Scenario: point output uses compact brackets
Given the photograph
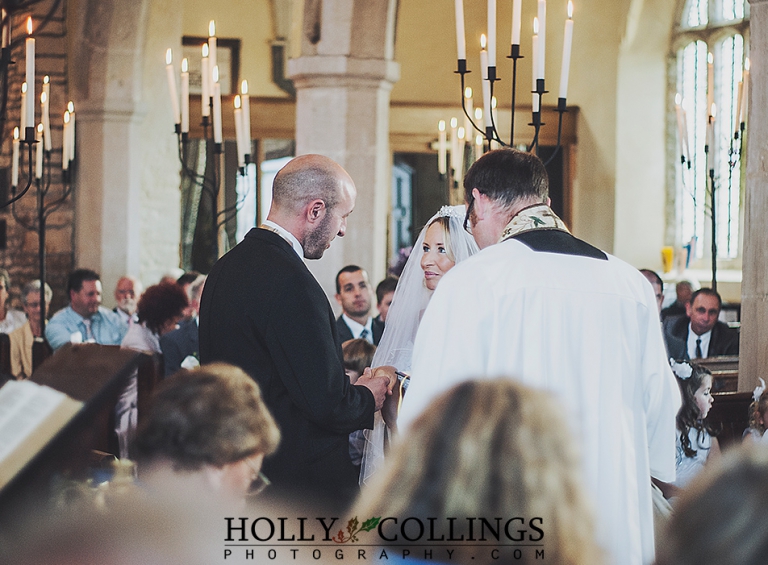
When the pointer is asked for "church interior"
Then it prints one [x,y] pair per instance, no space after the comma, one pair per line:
[367,83]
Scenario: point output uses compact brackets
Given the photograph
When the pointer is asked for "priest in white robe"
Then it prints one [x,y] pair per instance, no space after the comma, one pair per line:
[543,307]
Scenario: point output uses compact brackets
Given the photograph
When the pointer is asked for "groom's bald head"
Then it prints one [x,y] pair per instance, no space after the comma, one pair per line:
[308,178]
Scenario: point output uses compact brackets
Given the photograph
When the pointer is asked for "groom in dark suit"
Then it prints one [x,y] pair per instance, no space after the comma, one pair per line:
[263,310]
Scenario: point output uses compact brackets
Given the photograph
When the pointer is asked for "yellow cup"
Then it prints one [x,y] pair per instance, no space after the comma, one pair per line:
[667,258]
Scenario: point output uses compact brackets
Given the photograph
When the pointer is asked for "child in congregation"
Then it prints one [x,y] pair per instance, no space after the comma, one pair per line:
[758,416]
[358,355]
[696,441]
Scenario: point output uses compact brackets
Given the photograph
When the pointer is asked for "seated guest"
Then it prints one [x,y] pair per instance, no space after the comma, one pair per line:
[127,294]
[10,319]
[22,338]
[159,310]
[353,293]
[181,344]
[207,429]
[185,281]
[385,290]
[358,355]
[489,449]
[722,518]
[699,334]
[657,284]
[683,289]
[84,320]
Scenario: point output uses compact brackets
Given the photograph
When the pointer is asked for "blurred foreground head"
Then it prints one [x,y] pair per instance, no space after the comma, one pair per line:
[490,449]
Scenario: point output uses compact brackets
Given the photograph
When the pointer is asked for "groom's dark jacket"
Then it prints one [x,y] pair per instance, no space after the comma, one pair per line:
[263,311]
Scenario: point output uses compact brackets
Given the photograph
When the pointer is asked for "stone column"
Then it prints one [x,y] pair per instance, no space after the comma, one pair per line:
[754,287]
[343,81]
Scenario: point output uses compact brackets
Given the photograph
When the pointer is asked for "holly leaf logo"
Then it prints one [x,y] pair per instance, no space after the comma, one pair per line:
[370,523]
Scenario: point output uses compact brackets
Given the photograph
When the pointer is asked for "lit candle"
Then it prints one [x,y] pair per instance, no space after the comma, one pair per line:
[469,107]
[184,96]
[172,86]
[217,138]
[567,42]
[542,37]
[459,167]
[461,42]
[239,132]
[710,80]
[517,8]
[246,116]
[442,165]
[486,82]
[478,114]
[744,93]
[535,55]
[39,153]
[205,82]
[23,119]
[45,107]
[494,144]
[212,47]
[478,146]
[30,77]
[454,144]
[15,159]
[71,110]
[491,33]
[65,143]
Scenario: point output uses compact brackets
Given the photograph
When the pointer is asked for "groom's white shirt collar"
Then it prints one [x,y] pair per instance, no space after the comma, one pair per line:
[287,236]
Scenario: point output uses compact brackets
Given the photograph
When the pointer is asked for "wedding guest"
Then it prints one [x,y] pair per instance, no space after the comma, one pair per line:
[552,311]
[385,290]
[10,319]
[489,449]
[185,281]
[22,338]
[683,290]
[353,293]
[159,310]
[127,295]
[699,334]
[657,284]
[181,347]
[84,320]
[206,429]
[358,355]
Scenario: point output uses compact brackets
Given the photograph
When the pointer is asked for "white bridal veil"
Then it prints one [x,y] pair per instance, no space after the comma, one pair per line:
[408,304]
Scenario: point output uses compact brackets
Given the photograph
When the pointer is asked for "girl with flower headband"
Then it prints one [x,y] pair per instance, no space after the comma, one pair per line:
[696,441]
[758,416]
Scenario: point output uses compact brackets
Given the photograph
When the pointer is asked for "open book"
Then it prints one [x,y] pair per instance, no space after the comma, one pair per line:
[30,416]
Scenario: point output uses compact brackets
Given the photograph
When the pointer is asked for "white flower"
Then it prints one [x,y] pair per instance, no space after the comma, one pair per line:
[190,362]
[682,370]
[758,390]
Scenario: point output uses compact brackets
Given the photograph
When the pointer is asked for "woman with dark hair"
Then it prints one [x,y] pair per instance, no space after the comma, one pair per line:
[159,310]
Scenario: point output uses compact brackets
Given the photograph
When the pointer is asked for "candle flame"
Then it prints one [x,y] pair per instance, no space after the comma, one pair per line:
[678,99]
[461,133]
[493,102]
[483,41]
[479,140]
[46,79]
[23,87]
[535,26]
[244,87]
[39,128]
[211,28]
[205,49]
[169,56]
[237,102]
[184,65]
[43,98]
[570,9]
[29,25]
[478,113]
[16,133]
[71,107]
[710,58]
[66,117]
[216,73]
[746,64]
[454,123]
[441,125]
[468,92]
[713,111]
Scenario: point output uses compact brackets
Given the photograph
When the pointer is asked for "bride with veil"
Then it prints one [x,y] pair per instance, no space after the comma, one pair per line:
[442,243]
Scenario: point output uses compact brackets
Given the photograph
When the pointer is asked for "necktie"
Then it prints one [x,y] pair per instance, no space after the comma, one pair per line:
[88,332]
[698,348]
[364,334]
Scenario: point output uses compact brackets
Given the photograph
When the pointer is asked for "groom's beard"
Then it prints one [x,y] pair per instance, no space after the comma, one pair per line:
[318,240]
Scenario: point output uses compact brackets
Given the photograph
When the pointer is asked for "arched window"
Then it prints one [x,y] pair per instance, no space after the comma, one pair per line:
[710,49]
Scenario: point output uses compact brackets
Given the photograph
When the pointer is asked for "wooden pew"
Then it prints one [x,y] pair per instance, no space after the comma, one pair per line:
[725,372]
[731,411]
